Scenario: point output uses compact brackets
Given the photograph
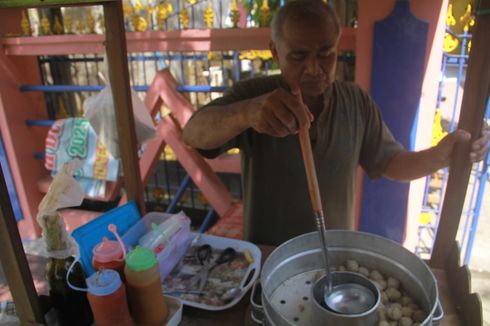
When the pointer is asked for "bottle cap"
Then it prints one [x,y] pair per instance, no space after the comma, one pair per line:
[107,251]
[140,259]
[104,282]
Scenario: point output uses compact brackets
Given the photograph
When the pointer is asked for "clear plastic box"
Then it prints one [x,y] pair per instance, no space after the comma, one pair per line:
[173,252]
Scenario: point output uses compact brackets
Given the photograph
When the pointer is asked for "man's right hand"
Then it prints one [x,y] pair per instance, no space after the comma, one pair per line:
[278,113]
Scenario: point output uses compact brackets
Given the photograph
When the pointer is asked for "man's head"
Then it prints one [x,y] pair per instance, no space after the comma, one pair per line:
[304,40]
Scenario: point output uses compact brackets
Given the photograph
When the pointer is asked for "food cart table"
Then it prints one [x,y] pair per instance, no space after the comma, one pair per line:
[241,313]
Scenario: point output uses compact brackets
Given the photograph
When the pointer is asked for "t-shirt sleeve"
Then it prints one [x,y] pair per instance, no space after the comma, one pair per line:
[242,90]
[379,145]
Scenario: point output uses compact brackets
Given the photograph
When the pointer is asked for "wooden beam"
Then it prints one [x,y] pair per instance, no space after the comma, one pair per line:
[49,3]
[476,93]
[14,263]
[119,80]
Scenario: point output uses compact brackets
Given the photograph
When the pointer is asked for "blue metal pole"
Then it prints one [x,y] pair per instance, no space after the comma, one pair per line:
[205,224]
[95,88]
[237,66]
[12,192]
[178,194]
[461,62]
[470,212]
[39,123]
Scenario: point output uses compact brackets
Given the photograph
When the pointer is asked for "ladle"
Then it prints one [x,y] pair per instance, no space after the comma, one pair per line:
[349,298]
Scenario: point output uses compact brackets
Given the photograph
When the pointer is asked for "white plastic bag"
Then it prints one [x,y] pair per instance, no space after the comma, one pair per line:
[99,110]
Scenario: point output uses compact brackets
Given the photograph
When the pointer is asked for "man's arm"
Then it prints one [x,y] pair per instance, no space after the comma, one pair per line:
[406,166]
[212,126]
[278,113]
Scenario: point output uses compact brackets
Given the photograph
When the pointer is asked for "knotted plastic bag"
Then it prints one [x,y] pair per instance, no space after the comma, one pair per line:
[99,110]
[63,192]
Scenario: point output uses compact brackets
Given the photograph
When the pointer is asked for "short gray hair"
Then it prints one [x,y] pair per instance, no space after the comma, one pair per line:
[302,10]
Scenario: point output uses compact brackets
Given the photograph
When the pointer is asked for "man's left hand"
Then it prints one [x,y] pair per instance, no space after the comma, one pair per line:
[479,148]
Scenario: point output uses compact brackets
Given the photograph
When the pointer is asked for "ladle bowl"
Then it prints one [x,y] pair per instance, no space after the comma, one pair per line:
[341,305]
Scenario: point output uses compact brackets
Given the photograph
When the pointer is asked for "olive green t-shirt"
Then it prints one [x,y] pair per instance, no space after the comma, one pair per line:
[348,131]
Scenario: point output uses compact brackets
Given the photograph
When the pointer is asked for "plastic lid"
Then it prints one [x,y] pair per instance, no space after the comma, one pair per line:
[107,251]
[104,282]
[140,259]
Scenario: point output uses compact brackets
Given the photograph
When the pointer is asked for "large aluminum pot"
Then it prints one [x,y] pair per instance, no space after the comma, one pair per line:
[283,295]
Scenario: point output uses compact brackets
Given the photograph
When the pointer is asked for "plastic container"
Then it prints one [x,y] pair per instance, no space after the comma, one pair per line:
[110,254]
[145,293]
[161,235]
[107,298]
[174,250]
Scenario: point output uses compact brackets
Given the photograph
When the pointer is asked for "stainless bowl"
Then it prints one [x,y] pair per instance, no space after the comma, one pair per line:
[291,270]
[321,314]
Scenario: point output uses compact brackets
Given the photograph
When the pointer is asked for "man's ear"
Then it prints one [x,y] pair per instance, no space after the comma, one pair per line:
[272,47]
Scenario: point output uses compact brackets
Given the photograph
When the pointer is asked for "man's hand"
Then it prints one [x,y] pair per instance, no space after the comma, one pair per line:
[278,113]
[479,148]
[407,165]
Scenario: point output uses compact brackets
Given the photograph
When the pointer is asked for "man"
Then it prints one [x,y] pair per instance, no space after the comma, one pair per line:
[262,117]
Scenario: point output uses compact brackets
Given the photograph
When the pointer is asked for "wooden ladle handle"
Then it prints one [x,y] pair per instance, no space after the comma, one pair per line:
[311,178]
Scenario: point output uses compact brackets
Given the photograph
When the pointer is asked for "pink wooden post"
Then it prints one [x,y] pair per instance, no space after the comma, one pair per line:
[20,140]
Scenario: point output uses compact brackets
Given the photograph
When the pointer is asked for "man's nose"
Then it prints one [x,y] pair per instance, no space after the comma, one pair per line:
[312,66]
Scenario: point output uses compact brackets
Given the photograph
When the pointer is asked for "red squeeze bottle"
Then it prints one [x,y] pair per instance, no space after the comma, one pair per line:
[110,254]
[107,298]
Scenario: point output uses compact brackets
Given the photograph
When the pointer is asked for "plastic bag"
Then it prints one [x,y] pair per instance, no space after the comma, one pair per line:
[74,138]
[64,192]
[99,110]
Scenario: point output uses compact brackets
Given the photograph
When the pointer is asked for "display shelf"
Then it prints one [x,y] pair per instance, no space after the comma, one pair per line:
[50,3]
[178,40]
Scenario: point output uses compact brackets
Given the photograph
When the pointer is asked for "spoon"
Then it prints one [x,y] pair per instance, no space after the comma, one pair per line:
[346,298]
[231,294]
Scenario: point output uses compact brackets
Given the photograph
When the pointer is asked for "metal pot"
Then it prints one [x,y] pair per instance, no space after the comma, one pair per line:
[291,270]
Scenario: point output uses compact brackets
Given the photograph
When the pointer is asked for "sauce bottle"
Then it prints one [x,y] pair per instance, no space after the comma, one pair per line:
[110,254]
[107,297]
[145,293]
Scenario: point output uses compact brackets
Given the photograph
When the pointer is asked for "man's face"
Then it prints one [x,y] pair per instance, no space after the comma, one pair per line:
[307,55]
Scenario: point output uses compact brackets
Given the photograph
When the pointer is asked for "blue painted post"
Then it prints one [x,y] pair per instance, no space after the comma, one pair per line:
[461,63]
[14,200]
[205,224]
[178,194]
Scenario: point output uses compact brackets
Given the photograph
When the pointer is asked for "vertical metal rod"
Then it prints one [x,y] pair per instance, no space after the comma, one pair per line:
[178,194]
[461,63]
[207,220]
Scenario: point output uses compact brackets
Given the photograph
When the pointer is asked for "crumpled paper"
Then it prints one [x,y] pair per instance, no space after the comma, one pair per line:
[64,192]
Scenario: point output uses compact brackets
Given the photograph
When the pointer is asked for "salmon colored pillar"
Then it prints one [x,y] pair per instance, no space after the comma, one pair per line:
[21,141]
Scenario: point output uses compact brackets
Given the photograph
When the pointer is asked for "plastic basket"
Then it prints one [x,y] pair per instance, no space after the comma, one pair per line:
[90,234]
